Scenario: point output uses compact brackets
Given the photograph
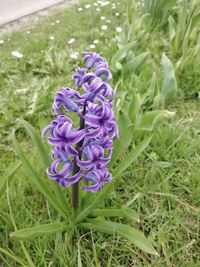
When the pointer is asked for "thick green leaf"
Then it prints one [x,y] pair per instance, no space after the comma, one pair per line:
[79,256]
[125,212]
[128,232]
[172,30]
[38,180]
[45,159]
[134,107]
[8,175]
[120,54]
[130,157]
[169,87]
[134,64]
[149,119]
[123,122]
[153,88]
[122,144]
[39,230]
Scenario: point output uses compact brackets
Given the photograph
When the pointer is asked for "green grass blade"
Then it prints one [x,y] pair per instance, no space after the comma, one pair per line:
[45,159]
[39,230]
[9,173]
[129,159]
[15,258]
[125,212]
[38,181]
[128,232]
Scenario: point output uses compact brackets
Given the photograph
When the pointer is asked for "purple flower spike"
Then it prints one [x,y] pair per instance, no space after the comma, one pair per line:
[83,153]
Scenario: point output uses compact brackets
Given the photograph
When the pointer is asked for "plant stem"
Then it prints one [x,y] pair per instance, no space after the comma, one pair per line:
[76,168]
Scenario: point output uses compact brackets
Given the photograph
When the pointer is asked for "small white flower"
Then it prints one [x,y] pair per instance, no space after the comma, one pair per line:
[97,9]
[52,23]
[51,38]
[96,41]
[1,41]
[92,46]
[16,54]
[102,18]
[117,14]
[79,9]
[57,21]
[21,91]
[118,29]
[74,55]
[108,21]
[104,27]
[113,7]
[28,32]
[95,4]
[71,41]
[87,6]
[105,3]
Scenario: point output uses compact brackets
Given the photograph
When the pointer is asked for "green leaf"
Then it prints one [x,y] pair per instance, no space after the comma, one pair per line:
[125,212]
[8,175]
[149,119]
[39,181]
[45,159]
[79,256]
[169,87]
[134,107]
[123,122]
[120,54]
[130,157]
[152,88]
[122,144]
[134,64]
[172,29]
[128,232]
[39,230]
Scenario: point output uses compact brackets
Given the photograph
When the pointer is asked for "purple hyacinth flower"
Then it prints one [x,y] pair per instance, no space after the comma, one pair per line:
[91,59]
[83,153]
[63,176]
[62,135]
[102,122]
[98,178]
[69,99]
[95,158]
[79,76]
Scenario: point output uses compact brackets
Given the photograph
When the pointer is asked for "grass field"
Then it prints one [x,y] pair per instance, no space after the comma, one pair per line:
[162,186]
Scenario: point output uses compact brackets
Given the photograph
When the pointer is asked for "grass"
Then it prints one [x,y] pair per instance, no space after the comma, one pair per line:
[162,186]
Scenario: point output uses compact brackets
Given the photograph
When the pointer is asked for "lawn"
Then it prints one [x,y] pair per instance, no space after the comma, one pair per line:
[162,185]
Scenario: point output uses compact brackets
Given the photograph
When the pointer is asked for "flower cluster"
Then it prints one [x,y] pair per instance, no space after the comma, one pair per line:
[88,148]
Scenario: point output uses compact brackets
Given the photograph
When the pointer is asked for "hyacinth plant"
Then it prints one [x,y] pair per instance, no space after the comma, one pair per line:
[85,154]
